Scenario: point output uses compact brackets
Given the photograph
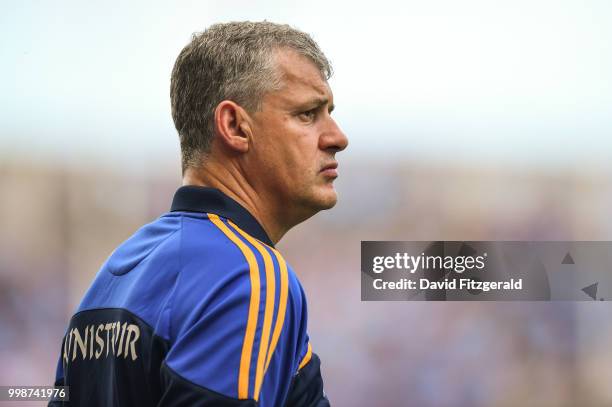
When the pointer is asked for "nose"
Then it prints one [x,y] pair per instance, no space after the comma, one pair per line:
[333,138]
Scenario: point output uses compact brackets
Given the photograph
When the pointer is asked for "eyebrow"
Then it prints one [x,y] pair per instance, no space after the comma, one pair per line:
[318,102]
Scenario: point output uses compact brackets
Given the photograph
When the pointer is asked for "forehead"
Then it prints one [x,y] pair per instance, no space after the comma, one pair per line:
[300,77]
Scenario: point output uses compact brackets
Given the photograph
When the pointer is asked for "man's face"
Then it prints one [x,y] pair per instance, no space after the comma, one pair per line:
[295,139]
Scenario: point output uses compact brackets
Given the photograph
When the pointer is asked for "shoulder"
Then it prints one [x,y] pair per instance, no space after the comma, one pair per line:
[214,248]
[238,299]
[221,262]
[226,270]
[183,243]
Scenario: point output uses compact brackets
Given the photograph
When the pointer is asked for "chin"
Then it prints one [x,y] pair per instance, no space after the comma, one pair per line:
[316,200]
[325,199]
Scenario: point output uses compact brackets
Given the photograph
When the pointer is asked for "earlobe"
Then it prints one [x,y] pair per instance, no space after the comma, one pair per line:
[231,128]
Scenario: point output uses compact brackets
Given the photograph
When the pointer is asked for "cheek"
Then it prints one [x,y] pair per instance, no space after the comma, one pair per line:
[294,152]
[284,164]
[303,161]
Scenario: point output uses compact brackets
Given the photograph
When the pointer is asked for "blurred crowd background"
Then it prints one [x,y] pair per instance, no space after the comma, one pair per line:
[60,223]
[471,120]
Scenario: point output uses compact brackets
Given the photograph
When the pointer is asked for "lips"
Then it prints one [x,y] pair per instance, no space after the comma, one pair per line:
[330,170]
[332,166]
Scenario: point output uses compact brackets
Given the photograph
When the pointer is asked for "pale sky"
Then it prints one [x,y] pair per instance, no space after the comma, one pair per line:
[524,82]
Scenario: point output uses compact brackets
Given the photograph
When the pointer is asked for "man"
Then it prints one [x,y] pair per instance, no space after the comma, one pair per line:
[198,307]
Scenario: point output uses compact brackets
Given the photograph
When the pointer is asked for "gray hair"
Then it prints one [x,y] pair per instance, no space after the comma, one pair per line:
[230,61]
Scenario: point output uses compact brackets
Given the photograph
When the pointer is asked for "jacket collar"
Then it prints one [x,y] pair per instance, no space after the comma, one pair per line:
[191,198]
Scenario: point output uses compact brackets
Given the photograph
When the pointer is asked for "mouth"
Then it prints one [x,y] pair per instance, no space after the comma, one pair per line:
[330,170]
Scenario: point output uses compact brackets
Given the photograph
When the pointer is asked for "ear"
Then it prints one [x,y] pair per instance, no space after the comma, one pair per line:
[232,128]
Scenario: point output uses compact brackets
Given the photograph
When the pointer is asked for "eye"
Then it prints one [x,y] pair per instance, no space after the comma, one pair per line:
[308,115]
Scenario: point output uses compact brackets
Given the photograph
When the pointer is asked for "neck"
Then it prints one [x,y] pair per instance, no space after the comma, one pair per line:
[233,184]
